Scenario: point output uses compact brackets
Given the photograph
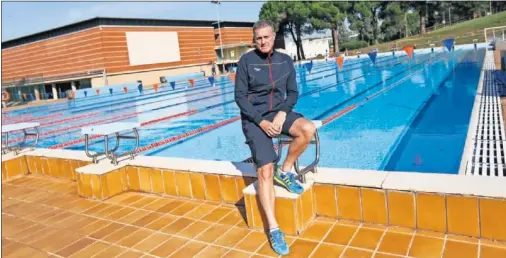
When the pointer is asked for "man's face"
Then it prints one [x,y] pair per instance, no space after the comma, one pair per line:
[264,39]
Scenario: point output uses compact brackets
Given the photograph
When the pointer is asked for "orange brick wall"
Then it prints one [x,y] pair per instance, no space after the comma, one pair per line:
[234,35]
[13,168]
[446,213]
[76,52]
[98,49]
[193,185]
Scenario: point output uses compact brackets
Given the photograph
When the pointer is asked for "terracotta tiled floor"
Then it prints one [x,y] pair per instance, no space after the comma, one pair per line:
[44,217]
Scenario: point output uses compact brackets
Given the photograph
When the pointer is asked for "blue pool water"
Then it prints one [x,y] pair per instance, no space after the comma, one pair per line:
[435,140]
[412,114]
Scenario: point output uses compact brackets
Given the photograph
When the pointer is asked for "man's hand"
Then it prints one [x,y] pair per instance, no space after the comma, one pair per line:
[278,121]
[269,128]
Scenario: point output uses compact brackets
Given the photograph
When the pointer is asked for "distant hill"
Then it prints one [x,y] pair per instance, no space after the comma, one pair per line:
[464,33]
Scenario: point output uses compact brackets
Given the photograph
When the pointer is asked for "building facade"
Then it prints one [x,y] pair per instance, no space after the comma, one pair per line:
[312,47]
[110,51]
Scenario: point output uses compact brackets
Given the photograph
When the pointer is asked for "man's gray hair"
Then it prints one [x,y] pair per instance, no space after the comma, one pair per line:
[262,24]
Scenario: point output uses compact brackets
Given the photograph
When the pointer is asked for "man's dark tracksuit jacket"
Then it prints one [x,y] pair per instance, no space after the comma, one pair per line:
[262,81]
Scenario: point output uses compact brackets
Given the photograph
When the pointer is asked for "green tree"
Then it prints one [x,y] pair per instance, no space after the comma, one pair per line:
[394,23]
[432,15]
[364,19]
[498,6]
[470,9]
[443,10]
[421,7]
[343,33]
[413,21]
[294,16]
[328,15]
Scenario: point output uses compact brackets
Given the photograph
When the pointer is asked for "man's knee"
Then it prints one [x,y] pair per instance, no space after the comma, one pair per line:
[265,172]
[308,130]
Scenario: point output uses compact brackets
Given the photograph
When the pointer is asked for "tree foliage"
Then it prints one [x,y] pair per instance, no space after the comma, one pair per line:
[373,21]
[394,21]
[328,15]
[293,16]
[364,19]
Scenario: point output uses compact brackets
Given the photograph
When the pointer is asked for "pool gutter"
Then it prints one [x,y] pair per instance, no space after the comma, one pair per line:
[480,117]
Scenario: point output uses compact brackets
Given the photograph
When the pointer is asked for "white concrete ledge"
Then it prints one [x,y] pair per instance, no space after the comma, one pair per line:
[352,177]
[279,191]
[159,162]
[203,166]
[413,181]
[106,129]
[446,183]
[59,153]
[49,153]
[18,127]
[100,168]
[10,155]
[403,181]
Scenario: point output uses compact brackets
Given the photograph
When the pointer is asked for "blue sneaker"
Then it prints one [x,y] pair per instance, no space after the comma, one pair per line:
[278,243]
[287,180]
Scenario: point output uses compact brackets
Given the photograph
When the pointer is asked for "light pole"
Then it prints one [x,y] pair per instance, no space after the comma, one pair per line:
[217,2]
[450,15]
[200,59]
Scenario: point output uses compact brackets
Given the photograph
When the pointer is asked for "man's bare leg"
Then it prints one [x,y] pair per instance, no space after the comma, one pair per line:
[266,193]
[302,131]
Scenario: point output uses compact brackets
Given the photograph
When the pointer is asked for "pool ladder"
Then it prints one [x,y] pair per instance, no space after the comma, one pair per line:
[301,174]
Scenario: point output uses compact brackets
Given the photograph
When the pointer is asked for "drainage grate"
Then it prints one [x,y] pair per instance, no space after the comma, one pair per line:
[486,157]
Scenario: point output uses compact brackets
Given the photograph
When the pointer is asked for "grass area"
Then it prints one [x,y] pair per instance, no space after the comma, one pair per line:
[464,33]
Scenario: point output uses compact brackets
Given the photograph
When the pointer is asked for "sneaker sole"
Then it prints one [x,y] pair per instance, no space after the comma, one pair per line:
[280,253]
[281,183]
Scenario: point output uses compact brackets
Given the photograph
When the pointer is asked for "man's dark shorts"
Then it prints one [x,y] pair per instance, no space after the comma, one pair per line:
[260,144]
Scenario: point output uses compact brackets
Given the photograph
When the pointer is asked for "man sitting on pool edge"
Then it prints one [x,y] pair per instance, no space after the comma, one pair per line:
[263,78]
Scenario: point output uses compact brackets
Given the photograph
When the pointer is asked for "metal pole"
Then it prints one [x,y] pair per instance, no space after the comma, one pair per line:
[200,59]
[105,77]
[450,15]
[219,31]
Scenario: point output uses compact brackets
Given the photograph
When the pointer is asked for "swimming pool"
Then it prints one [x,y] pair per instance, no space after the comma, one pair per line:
[404,114]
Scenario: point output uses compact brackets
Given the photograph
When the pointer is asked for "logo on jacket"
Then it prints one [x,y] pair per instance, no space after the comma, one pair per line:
[256,69]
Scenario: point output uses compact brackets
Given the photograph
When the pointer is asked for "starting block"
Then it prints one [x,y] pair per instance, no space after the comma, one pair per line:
[111,129]
[285,139]
[20,127]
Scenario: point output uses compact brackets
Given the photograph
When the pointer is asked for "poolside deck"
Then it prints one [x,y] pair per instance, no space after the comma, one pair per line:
[57,204]
[34,103]
[44,217]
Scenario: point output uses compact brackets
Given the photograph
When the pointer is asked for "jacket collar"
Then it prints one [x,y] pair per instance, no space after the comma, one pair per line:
[265,56]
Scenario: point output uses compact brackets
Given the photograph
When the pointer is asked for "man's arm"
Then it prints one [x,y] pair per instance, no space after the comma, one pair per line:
[241,93]
[292,93]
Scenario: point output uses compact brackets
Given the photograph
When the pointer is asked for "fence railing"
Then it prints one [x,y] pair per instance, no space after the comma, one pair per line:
[436,41]
[495,33]
[40,79]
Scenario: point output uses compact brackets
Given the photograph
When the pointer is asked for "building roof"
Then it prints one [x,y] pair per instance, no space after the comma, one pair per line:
[239,24]
[104,21]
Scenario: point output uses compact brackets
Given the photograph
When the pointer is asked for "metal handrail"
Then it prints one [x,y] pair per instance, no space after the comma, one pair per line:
[23,144]
[301,174]
[110,154]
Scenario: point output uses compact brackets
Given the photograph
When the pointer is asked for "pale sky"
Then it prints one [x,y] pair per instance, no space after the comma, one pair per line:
[23,18]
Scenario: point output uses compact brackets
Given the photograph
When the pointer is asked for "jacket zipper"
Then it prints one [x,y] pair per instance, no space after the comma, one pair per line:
[272,81]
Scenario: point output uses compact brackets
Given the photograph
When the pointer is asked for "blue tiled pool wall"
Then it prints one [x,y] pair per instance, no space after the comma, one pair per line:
[365,138]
